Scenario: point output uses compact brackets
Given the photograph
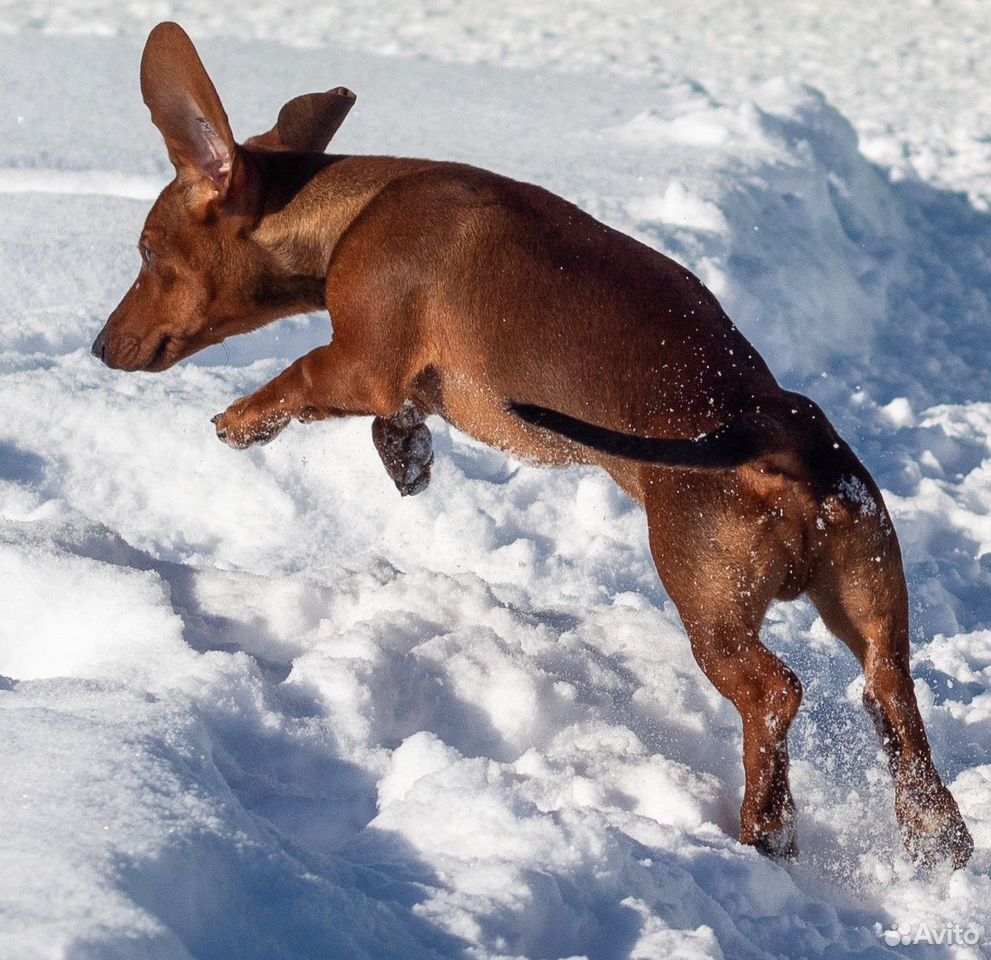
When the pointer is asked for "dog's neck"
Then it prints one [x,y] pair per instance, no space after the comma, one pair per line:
[310,201]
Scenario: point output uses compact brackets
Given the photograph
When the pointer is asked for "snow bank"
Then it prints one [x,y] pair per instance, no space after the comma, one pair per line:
[256,705]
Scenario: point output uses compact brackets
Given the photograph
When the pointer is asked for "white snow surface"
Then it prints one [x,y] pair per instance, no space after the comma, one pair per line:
[256,705]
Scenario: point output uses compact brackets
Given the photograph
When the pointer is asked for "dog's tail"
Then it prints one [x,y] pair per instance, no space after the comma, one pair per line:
[733,444]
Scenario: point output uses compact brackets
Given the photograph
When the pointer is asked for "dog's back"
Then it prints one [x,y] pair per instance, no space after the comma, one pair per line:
[560,309]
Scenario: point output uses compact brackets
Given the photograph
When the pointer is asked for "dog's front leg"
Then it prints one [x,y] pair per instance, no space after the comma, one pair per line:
[327,382]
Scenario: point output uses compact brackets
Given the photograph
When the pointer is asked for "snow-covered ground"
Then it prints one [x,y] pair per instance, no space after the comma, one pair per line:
[254,705]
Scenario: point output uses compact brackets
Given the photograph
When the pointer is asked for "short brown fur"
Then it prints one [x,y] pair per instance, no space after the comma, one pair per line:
[453,291]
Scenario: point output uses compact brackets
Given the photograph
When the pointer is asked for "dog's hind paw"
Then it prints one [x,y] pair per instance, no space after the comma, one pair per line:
[778,844]
[934,832]
[776,837]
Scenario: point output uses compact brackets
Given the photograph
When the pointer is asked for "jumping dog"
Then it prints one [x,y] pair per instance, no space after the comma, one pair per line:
[529,325]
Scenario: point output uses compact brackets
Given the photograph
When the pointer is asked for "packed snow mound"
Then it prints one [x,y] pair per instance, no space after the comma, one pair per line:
[256,705]
[818,256]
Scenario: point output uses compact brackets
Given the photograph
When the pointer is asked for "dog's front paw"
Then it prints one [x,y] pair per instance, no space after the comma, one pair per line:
[406,449]
[245,423]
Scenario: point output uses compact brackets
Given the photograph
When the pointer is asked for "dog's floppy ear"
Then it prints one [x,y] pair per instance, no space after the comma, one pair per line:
[186,109]
[307,123]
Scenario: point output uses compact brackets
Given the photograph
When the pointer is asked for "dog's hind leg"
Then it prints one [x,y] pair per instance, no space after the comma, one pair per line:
[858,587]
[404,443]
[722,578]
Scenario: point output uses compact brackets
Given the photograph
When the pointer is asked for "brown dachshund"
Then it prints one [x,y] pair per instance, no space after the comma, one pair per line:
[529,325]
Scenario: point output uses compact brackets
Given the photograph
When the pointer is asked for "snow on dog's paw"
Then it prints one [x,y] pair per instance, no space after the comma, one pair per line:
[240,426]
[938,838]
[416,478]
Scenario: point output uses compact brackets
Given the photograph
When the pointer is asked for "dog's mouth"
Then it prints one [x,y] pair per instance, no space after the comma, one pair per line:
[163,357]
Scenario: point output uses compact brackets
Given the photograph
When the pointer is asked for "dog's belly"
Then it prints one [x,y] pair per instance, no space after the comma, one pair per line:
[477,410]
[474,407]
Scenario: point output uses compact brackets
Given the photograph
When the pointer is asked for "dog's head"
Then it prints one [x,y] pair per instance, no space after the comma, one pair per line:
[203,277]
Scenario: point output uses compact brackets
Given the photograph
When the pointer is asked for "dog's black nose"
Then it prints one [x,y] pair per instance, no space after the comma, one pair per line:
[100,348]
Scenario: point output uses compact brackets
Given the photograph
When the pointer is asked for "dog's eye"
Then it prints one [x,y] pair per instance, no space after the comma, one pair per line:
[147,254]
